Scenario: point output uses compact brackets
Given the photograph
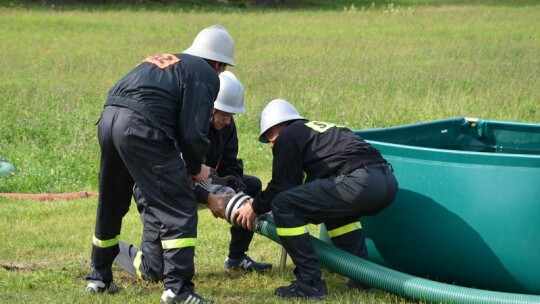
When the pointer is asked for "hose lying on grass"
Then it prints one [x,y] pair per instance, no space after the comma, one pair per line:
[396,282]
[49,196]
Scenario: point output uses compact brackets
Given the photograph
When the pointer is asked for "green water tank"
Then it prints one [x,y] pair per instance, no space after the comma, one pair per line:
[468,207]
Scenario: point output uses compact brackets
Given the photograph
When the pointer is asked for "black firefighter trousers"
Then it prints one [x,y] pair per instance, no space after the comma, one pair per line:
[135,151]
[147,263]
[337,202]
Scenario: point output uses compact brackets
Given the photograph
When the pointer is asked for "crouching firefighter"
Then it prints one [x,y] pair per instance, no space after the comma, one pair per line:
[321,173]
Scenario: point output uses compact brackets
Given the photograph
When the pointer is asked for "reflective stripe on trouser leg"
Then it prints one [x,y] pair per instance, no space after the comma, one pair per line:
[137,264]
[146,264]
[178,243]
[115,187]
[180,266]
[105,243]
[349,237]
[103,253]
[150,263]
[292,210]
[170,208]
[294,231]
[142,269]
[344,229]
[297,242]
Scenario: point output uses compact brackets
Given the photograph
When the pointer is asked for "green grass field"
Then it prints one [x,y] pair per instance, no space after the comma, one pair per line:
[361,65]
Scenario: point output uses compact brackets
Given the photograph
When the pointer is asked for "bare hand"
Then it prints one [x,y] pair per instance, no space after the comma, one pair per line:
[203,175]
[217,203]
[244,216]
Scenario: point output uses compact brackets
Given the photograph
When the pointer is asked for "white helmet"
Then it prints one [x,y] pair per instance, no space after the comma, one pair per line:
[276,112]
[230,98]
[213,43]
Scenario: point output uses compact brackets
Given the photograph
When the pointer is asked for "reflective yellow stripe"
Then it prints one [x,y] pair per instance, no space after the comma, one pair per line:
[105,243]
[137,264]
[344,229]
[178,243]
[294,231]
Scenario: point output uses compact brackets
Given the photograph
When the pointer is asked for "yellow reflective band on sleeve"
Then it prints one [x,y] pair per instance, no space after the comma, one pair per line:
[137,264]
[105,243]
[294,231]
[344,229]
[178,243]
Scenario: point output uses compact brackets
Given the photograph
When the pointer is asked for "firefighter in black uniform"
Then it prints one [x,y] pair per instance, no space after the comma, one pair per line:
[222,156]
[153,132]
[321,173]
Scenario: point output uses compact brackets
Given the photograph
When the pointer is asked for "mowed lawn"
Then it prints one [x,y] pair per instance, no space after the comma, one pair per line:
[362,66]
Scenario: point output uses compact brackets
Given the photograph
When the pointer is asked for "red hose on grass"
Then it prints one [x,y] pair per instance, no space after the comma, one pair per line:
[6,169]
[49,196]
